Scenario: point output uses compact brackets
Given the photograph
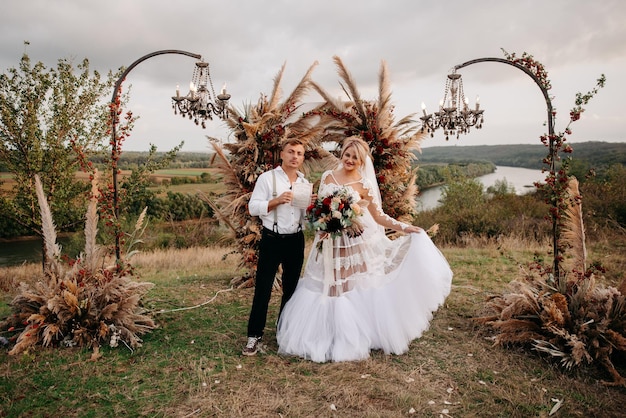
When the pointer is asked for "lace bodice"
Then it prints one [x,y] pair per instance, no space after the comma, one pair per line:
[343,260]
[379,217]
[328,189]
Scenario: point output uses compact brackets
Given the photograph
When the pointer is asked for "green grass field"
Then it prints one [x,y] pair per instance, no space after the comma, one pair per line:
[192,364]
[182,172]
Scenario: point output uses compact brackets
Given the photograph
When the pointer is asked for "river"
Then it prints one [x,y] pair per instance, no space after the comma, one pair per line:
[15,252]
[522,179]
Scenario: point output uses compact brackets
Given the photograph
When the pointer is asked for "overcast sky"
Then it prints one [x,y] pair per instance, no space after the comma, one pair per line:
[246,43]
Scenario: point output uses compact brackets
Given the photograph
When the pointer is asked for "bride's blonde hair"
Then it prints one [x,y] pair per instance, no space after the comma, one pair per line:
[360,146]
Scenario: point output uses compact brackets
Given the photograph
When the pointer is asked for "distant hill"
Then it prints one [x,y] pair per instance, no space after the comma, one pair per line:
[592,154]
[524,155]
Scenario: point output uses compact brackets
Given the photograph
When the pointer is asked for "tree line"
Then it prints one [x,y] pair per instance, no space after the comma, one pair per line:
[593,153]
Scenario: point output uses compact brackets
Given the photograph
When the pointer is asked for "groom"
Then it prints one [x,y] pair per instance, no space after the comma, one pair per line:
[282,239]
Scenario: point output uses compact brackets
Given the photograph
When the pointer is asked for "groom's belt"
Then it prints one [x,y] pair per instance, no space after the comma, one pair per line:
[268,232]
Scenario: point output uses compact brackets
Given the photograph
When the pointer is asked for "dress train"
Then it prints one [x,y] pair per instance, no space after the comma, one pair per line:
[385,307]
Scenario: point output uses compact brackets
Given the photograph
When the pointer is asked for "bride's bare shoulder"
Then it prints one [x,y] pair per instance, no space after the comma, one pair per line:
[329,177]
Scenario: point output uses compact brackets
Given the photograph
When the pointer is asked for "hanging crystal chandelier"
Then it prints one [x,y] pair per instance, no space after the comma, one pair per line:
[201,104]
[454,115]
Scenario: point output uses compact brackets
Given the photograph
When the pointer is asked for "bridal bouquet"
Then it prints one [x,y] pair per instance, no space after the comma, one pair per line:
[335,214]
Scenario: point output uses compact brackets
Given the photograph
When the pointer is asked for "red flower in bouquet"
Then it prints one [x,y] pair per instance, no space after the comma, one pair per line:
[335,214]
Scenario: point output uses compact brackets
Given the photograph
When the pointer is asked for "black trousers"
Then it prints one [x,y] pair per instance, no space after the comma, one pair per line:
[274,249]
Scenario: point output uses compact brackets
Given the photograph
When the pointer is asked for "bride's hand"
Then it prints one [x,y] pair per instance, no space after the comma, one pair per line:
[412,229]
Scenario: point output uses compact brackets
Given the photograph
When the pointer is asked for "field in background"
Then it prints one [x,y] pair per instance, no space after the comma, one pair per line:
[158,177]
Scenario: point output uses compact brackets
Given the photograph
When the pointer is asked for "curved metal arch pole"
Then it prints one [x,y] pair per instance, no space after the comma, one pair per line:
[544,91]
[114,149]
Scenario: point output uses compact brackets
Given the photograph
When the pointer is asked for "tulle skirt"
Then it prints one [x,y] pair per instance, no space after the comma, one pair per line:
[385,302]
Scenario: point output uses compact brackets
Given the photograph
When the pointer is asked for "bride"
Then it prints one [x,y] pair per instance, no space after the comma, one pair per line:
[365,292]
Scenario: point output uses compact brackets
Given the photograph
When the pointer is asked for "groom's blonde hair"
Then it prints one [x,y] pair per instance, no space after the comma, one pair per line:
[292,141]
[360,146]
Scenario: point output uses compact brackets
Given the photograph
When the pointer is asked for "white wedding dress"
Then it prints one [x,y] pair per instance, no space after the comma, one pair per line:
[363,293]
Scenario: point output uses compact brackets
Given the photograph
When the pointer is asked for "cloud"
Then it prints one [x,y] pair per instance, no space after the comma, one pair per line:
[246,43]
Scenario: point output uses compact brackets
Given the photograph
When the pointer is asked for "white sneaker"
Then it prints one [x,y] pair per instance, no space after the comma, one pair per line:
[252,346]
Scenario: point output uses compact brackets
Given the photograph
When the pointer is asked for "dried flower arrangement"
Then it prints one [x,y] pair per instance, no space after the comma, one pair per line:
[80,302]
[575,319]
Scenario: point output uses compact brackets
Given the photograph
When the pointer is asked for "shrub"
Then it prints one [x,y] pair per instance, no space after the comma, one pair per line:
[183,206]
[468,211]
[605,199]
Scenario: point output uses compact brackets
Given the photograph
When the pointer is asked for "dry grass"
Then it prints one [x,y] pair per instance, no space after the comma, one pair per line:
[191,365]
[10,277]
[451,371]
[165,262]
[187,259]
